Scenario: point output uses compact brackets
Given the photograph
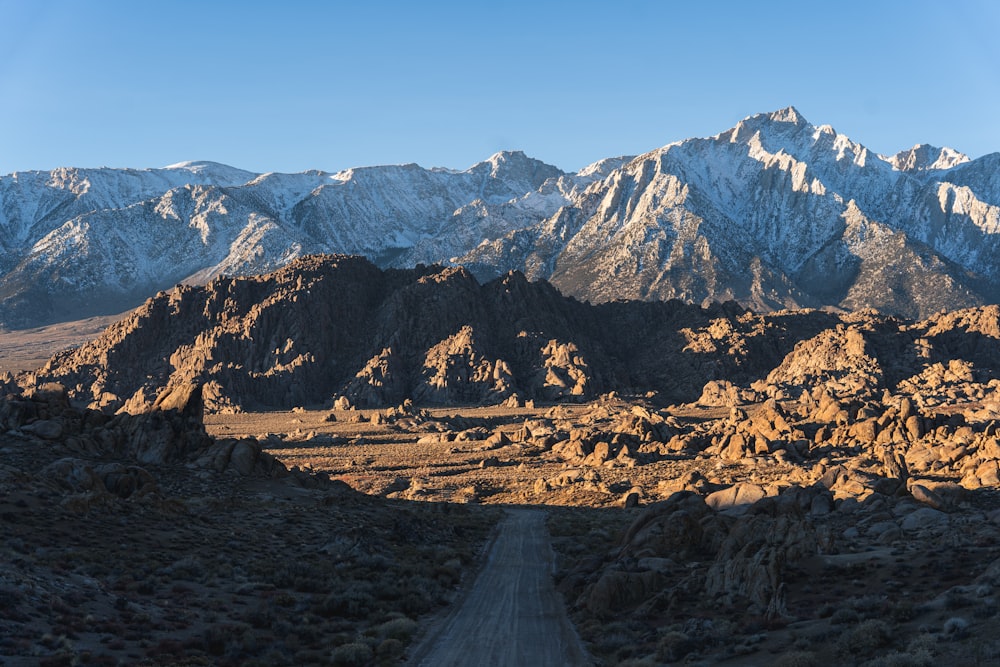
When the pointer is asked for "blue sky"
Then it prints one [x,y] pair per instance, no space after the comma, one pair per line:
[290,86]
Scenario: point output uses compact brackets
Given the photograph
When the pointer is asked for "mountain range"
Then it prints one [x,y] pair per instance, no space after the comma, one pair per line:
[773,213]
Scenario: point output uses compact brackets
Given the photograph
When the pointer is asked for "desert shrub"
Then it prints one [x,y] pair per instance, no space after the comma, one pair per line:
[955,628]
[260,616]
[449,573]
[865,638]
[616,640]
[844,616]
[826,611]
[902,611]
[398,628]
[296,575]
[415,603]
[215,638]
[869,606]
[673,646]
[190,568]
[897,659]
[353,602]
[355,654]
[389,650]
[388,589]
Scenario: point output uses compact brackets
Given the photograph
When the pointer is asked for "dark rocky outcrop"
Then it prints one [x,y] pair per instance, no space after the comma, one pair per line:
[104,454]
[326,327]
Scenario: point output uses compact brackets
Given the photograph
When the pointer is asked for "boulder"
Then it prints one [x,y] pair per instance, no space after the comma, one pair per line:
[738,496]
[923,519]
[46,429]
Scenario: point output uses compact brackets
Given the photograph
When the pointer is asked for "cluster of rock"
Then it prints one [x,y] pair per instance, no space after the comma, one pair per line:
[873,441]
[741,558]
[92,457]
[841,457]
[802,555]
[326,327]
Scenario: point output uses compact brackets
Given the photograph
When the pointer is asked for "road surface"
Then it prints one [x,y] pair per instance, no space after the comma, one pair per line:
[512,614]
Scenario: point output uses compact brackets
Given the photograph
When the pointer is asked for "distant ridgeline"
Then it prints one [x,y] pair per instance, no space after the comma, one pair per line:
[338,327]
[772,213]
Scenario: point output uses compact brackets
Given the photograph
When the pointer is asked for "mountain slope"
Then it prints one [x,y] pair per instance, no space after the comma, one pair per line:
[774,212]
[97,241]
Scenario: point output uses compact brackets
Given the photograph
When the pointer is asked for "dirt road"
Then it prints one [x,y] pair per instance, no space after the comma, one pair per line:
[512,614]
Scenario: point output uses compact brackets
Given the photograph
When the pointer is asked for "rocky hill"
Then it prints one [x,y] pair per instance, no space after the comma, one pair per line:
[338,327]
[772,213]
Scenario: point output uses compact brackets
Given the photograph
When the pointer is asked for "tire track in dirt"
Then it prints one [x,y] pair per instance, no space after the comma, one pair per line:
[512,615]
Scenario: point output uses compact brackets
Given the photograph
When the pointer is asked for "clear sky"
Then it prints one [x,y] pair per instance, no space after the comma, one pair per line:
[295,85]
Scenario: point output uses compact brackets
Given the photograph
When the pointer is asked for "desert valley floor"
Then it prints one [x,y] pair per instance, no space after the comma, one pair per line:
[664,554]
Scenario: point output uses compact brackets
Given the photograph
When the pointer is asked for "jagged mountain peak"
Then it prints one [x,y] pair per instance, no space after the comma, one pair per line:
[784,130]
[787,132]
[924,157]
[782,120]
[507,156]
[788,114]
[504,163]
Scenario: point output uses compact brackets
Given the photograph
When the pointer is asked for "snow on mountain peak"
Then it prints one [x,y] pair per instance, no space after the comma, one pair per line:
[197,166]
[681,221]
[508,161]
[787,115]
[924,157]
[601,168]
[507,156]
[214,171]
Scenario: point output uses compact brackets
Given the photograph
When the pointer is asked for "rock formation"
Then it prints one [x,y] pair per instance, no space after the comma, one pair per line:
[325,327]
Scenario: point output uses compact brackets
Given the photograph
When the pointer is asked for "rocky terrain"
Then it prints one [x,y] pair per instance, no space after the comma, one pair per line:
[337,328]
[142,540]
[809,532]
[801,487]
[773,213]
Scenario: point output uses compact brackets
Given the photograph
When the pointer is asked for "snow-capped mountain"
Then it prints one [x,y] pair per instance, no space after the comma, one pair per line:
[773,212]
[79,242]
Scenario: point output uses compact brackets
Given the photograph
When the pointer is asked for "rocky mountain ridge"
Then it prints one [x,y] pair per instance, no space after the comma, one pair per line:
[338,327]
[774,212]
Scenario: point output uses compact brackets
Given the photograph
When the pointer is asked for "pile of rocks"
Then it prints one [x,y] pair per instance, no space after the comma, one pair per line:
[92,457]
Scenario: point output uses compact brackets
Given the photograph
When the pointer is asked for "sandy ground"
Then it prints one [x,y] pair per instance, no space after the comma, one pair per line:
[865,596]
[512,615]
[29,349]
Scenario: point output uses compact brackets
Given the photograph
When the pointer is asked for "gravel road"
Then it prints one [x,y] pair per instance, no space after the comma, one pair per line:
[512,615]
